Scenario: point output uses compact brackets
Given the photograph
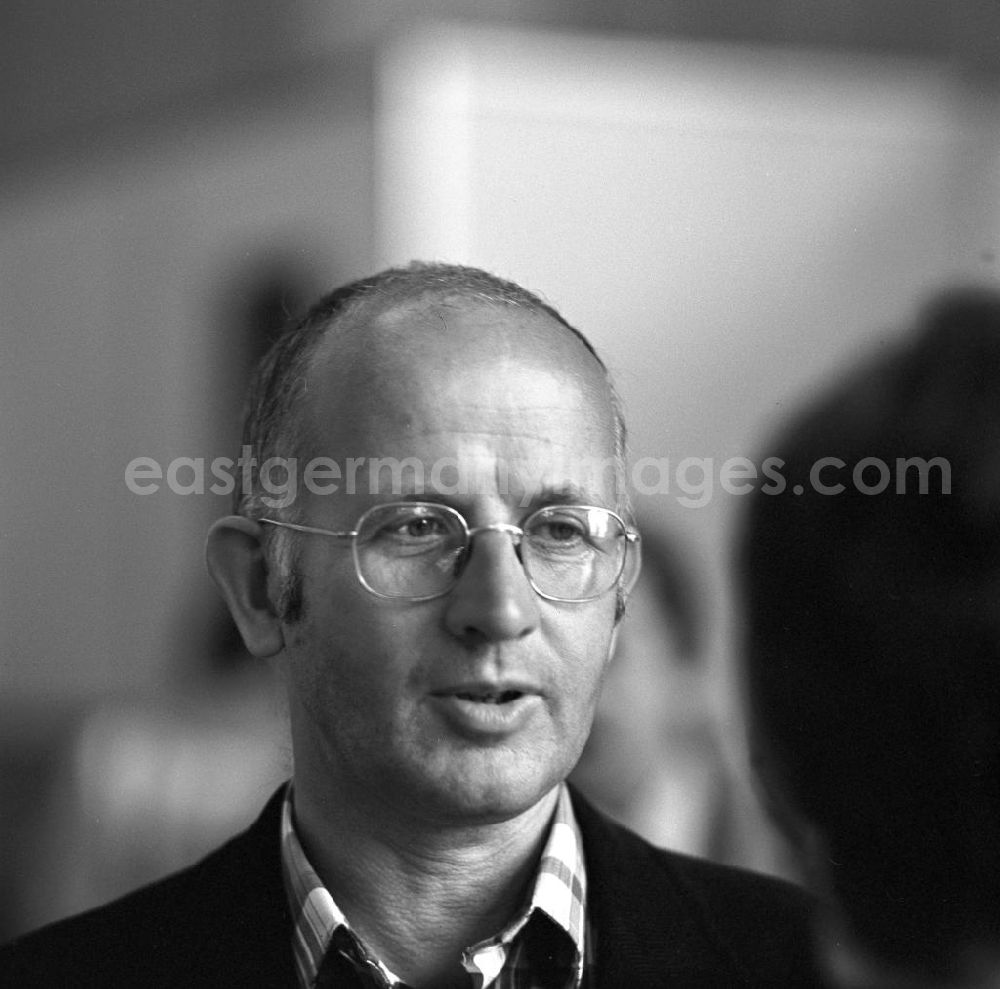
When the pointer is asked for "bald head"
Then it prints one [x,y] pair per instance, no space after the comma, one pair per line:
[365,333]
[379,347]
[424,345]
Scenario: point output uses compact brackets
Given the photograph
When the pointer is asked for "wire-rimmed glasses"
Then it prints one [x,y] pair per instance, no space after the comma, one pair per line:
[415,550]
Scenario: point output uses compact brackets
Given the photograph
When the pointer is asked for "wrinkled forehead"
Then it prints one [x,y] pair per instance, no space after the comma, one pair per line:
[480,383]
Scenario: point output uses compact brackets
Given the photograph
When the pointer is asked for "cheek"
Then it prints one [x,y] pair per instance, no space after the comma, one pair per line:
[583,647]
[324,658]
[355,655]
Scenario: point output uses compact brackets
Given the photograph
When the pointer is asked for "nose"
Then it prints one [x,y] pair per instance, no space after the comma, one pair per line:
[492,600]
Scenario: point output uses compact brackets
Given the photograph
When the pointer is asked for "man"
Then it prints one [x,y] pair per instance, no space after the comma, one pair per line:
[441,596]
[873,653]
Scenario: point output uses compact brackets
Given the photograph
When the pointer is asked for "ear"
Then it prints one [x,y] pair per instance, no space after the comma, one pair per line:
[630,574]
[235,557]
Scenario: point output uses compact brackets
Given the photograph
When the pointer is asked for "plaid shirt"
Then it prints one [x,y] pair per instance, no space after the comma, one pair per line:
[546,946]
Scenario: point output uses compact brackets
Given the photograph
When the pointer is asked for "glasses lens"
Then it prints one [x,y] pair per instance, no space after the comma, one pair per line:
[573,553]
[408,550]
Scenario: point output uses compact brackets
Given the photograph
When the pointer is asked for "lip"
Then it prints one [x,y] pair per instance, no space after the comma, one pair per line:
[483,709]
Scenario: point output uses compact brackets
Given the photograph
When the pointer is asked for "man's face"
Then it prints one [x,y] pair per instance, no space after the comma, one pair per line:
[393,702]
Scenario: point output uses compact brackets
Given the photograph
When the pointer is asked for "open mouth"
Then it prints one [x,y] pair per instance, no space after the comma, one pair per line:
[503,697]
[487,711]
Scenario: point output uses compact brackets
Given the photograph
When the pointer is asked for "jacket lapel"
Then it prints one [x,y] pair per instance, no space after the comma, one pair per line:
[647,931]
[245,904]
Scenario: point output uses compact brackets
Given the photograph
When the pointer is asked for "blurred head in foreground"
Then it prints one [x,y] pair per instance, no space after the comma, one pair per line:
[871,585]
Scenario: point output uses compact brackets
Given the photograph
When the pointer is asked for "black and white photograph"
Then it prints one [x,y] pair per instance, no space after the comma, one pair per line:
[500,495]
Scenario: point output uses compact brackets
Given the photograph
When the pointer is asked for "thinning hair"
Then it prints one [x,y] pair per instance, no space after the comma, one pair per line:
[872,646]
[276,407]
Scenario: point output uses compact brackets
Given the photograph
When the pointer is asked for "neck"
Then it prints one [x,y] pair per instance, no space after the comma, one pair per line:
[419,892]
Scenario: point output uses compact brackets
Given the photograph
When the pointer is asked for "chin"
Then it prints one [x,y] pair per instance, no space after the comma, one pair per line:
[491,797]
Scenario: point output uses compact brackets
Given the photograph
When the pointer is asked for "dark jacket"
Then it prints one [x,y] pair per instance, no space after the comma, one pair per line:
[660,919]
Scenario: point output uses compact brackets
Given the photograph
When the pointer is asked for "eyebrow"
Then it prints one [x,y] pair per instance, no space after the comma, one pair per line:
[565,494]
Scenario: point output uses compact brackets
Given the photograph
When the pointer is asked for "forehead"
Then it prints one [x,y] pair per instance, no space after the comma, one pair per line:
[478,383]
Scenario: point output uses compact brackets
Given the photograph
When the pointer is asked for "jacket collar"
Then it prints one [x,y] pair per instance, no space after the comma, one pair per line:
[659,918]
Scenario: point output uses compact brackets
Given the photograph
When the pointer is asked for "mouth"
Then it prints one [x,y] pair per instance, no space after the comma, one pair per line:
[487,710]
[489,697]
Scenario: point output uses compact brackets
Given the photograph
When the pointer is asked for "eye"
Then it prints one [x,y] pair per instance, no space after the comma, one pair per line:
[409,529]
[560,530]
[420,527]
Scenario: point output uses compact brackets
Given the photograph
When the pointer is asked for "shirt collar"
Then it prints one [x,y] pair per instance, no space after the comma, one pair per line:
[559,891]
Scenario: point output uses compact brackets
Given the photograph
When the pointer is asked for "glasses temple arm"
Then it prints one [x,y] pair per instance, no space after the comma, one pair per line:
[308,528]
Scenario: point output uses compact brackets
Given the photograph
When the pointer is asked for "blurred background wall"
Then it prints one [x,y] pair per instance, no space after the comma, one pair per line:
[730,199]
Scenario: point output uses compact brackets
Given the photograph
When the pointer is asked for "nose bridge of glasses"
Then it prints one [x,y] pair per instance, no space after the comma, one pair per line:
[515,532]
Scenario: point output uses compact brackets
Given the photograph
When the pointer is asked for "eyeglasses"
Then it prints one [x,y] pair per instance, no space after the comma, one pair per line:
[416,551]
